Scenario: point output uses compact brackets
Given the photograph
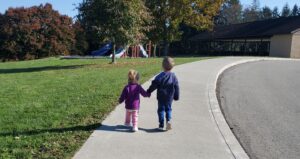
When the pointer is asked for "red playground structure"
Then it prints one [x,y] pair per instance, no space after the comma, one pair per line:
[137,51]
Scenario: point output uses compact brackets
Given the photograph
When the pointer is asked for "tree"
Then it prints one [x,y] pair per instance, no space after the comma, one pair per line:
[2,37]
[35,32]
[295,10]
[168,15]
[252,13]
[81,45]
[286,11]
[275,13]
[230,13]
[266,13]
[122,22]
[255,5]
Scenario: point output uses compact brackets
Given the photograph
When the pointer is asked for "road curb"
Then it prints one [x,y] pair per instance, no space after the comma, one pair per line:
[233,145]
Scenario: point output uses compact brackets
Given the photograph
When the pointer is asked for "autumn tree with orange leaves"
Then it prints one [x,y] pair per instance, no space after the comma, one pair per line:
[35,32]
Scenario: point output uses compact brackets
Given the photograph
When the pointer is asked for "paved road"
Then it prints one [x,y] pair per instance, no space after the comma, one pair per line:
[194,135]
[261,102]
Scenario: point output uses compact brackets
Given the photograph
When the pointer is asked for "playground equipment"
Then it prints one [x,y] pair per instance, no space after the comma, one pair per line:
[133,51]
[119,53]
[143,51]
[149,49]
[102,51]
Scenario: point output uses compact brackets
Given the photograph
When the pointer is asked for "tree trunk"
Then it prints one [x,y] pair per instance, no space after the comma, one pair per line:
[113,58]
[154,51]
[166,48]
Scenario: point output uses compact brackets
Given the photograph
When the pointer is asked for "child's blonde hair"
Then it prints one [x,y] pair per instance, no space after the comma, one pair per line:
[133,76]
[168,63]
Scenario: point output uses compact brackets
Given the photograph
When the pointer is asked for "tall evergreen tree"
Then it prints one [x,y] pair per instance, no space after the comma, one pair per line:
[295,10]
[255,5]
[252,13]
[275,13]
[286,11]
[230,13]
[266,13]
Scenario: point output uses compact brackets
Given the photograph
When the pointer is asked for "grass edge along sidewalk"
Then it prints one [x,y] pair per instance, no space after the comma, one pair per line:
[49,107]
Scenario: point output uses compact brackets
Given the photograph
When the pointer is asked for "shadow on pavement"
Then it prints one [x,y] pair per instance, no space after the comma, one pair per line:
[122,128]
[117,128]
[153,130]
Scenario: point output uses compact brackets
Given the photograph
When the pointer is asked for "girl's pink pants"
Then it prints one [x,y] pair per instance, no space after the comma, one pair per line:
[131,114]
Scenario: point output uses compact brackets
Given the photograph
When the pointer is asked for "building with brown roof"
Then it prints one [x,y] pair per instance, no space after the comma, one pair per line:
[274,37]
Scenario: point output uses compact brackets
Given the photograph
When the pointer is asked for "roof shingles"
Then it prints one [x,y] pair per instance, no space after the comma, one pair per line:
[257,29]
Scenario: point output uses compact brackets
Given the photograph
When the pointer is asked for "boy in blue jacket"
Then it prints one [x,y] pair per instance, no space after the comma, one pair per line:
[167,87]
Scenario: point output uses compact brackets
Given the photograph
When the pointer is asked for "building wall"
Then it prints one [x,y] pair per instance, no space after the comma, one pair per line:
[281,45]
[295,50]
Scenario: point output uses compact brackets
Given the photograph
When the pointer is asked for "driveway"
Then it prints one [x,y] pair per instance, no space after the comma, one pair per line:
[261,103]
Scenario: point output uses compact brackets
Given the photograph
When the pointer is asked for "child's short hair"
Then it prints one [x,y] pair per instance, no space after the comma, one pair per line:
[133,76]
[168,63]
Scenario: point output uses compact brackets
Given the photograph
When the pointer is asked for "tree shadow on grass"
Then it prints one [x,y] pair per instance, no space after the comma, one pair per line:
[53,130]
[38,69]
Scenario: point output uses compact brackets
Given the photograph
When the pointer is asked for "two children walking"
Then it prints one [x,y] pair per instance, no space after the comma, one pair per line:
[165,83]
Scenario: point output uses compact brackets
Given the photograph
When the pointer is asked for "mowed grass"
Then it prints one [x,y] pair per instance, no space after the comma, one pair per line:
[49,107]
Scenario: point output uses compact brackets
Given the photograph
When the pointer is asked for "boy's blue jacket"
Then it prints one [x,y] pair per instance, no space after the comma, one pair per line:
[167,87]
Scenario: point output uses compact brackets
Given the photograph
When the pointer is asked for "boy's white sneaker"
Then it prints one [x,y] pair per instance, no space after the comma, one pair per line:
[169,126]
[160,128]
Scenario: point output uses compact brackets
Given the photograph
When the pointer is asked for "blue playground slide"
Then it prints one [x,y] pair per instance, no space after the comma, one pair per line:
[102,50]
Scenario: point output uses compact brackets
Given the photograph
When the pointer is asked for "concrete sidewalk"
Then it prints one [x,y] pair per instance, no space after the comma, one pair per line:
[195,133]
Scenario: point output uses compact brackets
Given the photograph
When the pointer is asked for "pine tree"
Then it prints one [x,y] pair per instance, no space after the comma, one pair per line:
[266,13]
[252,13]
[295,10]
[230,13]
[255,5]
[275,13]
[286,11]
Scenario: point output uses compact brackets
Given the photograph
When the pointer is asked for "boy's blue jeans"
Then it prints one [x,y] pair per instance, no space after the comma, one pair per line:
[164,108]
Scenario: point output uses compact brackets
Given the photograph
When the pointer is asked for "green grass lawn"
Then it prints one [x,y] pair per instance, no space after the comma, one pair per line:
[49,107]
